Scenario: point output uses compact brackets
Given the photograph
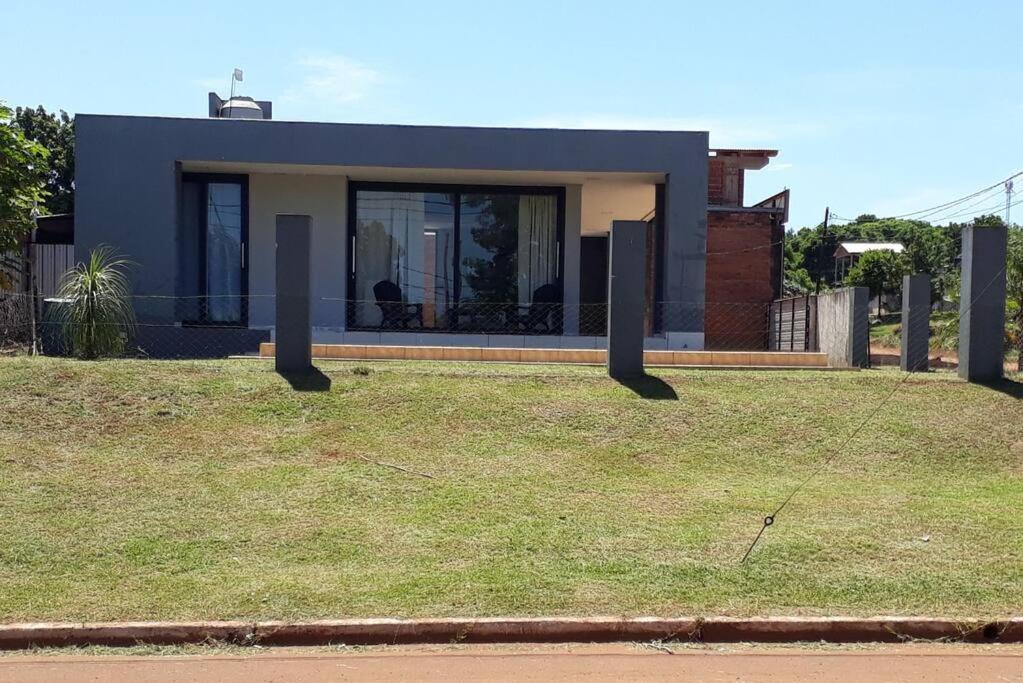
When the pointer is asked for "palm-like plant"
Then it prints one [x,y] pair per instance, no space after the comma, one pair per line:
[97,314]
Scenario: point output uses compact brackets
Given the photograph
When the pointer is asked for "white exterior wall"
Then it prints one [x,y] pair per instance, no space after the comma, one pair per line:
[324,198]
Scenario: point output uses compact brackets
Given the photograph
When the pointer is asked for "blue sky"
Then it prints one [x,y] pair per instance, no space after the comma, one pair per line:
[880,107]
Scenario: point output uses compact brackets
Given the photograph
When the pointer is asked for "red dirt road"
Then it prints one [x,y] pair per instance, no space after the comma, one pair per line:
[540,663]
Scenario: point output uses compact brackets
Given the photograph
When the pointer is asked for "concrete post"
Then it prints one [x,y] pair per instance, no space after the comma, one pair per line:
[572,245]
[842,327]
[916,322]
[625,294]
[293,328]
[982,303]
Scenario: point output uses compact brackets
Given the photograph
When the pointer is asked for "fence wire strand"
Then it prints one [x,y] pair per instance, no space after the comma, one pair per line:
[770,519]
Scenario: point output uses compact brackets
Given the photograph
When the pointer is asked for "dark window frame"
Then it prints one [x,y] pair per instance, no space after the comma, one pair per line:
[225,178]
[456,189]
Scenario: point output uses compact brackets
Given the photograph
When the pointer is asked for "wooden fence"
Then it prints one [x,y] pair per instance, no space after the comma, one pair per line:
[793,324]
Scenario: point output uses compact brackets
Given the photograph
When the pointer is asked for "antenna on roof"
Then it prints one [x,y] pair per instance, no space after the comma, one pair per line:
[236,77]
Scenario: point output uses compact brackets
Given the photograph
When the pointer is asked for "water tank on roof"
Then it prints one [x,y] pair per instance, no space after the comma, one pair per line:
[239,107]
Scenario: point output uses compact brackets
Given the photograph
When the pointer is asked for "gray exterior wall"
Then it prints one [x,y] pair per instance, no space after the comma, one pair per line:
[128,178]
[324,198]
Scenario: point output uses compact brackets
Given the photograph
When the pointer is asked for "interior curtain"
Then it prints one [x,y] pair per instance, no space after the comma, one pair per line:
[537,245]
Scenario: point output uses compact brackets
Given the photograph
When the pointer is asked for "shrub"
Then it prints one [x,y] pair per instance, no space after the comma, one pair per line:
[97,315]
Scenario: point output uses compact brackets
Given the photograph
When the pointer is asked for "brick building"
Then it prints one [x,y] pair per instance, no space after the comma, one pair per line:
[745,251]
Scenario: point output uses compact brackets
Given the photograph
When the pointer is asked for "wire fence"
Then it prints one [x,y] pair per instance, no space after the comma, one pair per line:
[222,326]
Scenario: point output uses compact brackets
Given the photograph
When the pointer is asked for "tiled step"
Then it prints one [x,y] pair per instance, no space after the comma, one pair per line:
[594,356]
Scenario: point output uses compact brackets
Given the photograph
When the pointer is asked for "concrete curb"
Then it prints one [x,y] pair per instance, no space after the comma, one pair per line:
[517,630]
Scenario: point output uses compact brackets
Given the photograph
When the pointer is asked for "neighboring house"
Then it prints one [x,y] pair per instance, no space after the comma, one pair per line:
[848,253]
[846,256]
[424,234]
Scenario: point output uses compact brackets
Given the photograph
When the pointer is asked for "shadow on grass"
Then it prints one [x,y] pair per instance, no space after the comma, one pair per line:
[1009,387]
[307,380]
[649,387]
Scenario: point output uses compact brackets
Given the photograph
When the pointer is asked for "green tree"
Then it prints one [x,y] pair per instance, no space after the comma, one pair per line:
[23,172]
[1014,294]
[57,134]
[881,271]
[929,249]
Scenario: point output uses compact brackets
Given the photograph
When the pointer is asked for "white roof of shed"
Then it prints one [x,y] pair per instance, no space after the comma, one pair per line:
[846,248]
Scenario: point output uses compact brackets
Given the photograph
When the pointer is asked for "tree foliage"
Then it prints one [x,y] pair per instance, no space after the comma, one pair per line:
[930,249]
[1014,293]
[55,132]
[881,271]
[23,172]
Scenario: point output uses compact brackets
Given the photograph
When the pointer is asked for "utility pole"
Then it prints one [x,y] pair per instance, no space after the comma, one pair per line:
[820,250]
[1008,200]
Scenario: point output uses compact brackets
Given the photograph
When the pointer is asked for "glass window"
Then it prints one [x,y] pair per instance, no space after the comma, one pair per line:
[224,252]
[404,248]
[472,261]
[211,243]
[508,246]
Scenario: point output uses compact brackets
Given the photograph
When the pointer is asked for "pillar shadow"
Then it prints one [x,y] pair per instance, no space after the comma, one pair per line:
[1009,387]
[649,387]
[307,380]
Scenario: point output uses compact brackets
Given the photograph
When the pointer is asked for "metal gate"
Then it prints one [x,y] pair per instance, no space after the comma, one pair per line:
[793,324]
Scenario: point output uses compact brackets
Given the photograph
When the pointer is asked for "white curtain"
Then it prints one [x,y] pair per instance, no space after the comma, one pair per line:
[538,236]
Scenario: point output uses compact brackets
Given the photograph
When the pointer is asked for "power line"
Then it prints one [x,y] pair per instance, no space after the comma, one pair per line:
[986,210]
[954,202]
[770,519]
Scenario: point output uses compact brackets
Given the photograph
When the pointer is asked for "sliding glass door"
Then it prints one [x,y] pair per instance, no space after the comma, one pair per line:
[211,249]
[403,245]
[440,257]
[224,244]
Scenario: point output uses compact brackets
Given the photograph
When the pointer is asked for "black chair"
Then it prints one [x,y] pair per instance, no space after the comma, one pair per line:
[542,310]
[396,313]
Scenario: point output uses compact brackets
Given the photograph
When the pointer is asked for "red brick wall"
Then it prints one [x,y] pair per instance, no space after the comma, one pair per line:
[724,183]
[742,281]
[715,181]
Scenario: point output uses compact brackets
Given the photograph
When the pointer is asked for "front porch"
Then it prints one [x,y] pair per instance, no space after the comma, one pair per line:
[427,257]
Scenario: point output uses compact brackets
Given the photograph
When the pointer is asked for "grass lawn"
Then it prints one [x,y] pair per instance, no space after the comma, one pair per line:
[188,490]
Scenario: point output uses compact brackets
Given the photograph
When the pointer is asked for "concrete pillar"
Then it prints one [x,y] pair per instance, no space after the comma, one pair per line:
[982,303]
[684,257]
[572,246]
[916,322]
[842,327]
[625,296]
[292,325]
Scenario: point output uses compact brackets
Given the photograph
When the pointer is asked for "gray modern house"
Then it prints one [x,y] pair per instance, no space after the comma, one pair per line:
[420,234]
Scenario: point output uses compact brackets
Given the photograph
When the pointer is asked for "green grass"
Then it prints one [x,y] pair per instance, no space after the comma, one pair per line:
[943,338]
[190,490]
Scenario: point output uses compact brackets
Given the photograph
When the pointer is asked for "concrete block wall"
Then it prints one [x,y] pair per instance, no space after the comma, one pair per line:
[843,329]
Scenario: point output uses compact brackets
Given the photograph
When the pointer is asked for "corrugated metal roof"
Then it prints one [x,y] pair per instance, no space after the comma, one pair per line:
[864,247]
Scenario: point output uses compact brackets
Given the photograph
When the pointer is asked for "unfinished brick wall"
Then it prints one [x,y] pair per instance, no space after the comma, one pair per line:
[744,261]
[724,183]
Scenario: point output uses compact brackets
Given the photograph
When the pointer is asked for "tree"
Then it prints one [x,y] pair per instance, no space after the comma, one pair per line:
[57,135]
[23,172]
[1014,294]
[929,249]
[881,271]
